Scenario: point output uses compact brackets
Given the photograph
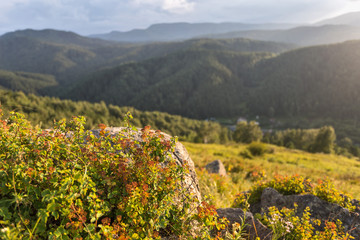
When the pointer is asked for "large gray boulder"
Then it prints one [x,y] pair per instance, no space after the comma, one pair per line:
[182,157]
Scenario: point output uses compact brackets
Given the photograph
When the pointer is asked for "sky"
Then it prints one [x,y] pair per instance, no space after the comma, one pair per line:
[101,16]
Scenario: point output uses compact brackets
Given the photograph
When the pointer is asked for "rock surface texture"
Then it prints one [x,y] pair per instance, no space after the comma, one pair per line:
[216,167]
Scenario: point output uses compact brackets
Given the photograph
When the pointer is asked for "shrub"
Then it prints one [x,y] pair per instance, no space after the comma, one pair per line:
[256,174]
[296,184]
[257,148]
[246,154]
[286,225]
[68,184]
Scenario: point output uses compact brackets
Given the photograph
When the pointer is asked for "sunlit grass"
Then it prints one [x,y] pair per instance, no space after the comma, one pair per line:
[342,171]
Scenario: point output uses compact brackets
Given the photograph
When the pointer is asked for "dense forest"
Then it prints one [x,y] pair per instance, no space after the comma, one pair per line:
[44,111]
[193,83]
[25,81]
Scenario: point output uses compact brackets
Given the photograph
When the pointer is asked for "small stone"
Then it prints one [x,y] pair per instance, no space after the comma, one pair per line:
[216,167]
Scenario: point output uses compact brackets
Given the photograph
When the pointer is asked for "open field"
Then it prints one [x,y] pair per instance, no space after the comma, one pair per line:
[243,171]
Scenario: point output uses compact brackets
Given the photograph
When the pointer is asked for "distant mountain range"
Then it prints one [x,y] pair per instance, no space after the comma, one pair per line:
[57,37]
[338,29]
[302,36]
[182,31]
[352,19]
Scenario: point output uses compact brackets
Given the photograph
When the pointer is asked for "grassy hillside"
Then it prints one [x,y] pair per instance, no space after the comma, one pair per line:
[245,169]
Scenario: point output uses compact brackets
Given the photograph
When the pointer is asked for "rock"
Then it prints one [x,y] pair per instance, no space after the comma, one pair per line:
[189,183]
[180,154]
[254,228]
[216,167]
[319,209]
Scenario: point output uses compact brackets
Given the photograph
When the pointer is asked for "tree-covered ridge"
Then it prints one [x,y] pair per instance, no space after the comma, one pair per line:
[67,55]
[182,30]
[26,82]
[313,82]
[301,36]
[56,36]
[321,81]
[31,55]
[194,83]
[44,110]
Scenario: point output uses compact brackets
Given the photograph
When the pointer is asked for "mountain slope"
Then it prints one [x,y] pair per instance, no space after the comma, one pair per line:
[68,56]
[26,54]
[314,82]
[303,36]
[195,83]
[26,82]
[352,18]
[57,37]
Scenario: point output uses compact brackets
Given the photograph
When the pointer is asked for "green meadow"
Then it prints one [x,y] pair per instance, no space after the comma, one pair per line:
[244,169]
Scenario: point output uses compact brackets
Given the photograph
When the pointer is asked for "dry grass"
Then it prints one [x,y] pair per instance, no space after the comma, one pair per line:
[344,172]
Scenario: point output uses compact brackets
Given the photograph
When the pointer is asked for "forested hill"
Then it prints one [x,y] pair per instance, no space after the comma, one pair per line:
[199,78]
[45,110]
[67,56]
[26,82]
[320,81]
[59,37]
[194,83]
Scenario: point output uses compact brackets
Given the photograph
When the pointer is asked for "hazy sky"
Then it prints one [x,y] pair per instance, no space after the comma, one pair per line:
[100,16]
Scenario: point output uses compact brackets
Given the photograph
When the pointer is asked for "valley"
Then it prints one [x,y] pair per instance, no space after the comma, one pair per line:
[82,117]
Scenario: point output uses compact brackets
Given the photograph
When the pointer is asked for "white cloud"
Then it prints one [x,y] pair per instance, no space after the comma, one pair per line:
[178,6]
[91,16]
[171,6]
